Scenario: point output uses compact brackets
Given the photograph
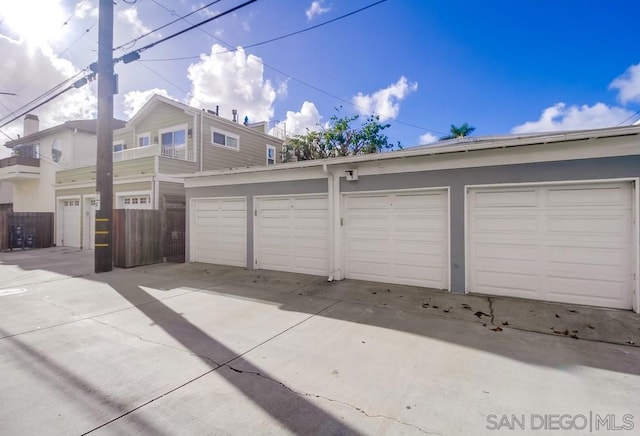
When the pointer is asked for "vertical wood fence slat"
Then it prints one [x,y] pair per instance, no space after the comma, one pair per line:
[38,226]
[136,237]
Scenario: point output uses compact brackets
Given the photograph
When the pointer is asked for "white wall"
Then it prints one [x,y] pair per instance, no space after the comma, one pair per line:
[78,150]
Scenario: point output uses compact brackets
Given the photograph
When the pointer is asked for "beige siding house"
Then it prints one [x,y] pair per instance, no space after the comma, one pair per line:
[164,140]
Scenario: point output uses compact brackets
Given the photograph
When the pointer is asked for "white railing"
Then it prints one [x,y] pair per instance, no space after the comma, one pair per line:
[182,153]
[136,153]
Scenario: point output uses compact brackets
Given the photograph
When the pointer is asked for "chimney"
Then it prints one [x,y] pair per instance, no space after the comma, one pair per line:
[235,115]
[31,124]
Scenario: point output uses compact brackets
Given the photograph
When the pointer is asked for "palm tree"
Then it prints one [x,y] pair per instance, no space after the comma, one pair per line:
[459,132]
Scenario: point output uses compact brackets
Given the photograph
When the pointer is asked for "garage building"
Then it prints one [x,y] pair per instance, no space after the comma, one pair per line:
[549,217]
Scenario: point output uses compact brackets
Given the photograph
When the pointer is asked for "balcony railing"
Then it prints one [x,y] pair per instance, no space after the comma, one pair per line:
[182,153]
[16,168]
[20,160]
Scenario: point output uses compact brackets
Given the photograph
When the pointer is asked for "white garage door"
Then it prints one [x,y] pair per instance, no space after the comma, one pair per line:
[564,243]
[70,223]
[292,234]
[219,231]
[399,237]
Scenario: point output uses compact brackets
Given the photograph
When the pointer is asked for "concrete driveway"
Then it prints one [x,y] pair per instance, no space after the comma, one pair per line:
[196,349]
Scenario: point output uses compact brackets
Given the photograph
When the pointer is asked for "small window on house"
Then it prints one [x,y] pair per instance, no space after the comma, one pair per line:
[144,139]
[118,146]
[127,201]
[271,155]
[225,139]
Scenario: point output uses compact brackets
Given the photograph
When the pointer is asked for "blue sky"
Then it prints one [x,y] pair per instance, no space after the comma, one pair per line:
[502,66]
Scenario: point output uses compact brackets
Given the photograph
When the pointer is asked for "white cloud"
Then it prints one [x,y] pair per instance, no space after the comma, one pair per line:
[562,117]
[316,9]
[307,117]
[628,85]
[29,74]
[232,80]
[130,16]
[206,12]
[385,102]
[84,8]
[134,100]
[427,138]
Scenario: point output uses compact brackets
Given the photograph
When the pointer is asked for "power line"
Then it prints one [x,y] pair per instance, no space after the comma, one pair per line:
[162,77]
[629,118]
[44,94]
[126,58]
[278,38]
[135,54]
[77,84]
[134,40]
[231,49]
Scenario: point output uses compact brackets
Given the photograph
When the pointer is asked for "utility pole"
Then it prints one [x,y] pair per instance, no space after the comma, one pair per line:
[104,159]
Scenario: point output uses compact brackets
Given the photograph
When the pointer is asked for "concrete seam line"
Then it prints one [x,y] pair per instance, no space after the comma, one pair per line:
[209,371]
[344,403]
[313,315]
[92,317]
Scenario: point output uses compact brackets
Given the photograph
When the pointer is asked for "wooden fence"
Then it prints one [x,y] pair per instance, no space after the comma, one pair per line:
[143,237]
[36,230]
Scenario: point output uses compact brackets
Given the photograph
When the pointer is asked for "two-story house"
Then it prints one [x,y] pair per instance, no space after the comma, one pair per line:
[163,140]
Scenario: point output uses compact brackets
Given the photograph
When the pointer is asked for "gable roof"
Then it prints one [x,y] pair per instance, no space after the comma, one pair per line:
[87,126]
[158,99]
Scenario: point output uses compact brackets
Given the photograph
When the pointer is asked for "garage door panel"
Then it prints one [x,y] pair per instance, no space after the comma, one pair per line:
[505,198]
[516,281]
[419,201]
[592,288]
[397,237]
[587,196]
[292,234]
[591,225]
[506,252]
[367,202]
[506,223]
[219,231]
[587,256]
[579,250]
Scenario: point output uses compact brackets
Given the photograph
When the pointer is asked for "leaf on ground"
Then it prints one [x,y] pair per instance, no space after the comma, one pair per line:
[466,306]
[374,292]
[446,310]
[479,314]
[497,329]
[505,323]
[574,336]
[590,326]
[425,305]
[572,311]
[557,316]
[435,307]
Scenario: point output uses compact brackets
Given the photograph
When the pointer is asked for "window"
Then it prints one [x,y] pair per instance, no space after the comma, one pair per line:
[175,137]
[56,150]
[225,139]
[118,146]
[136,201]
[144,139]
[271,155]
